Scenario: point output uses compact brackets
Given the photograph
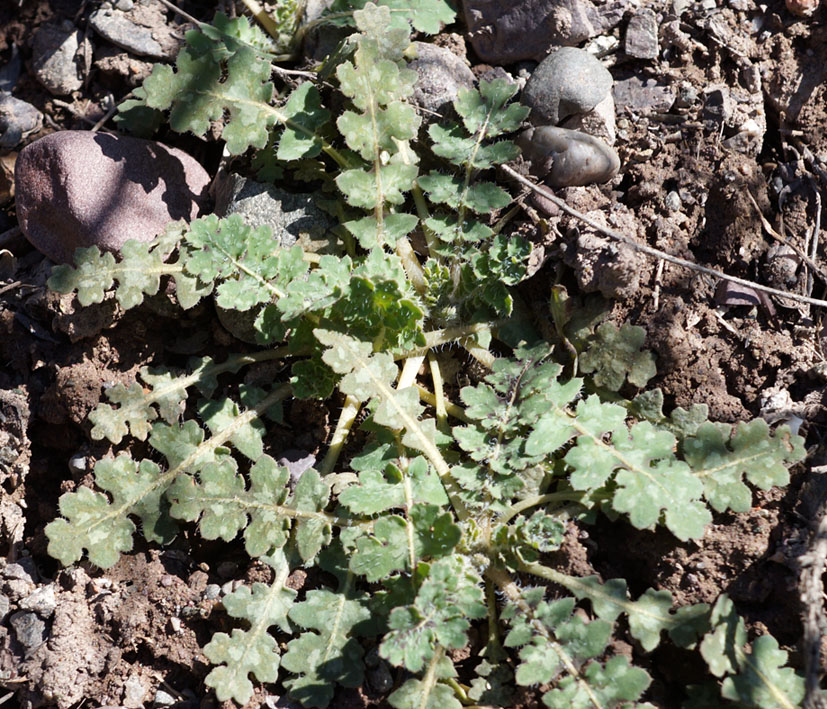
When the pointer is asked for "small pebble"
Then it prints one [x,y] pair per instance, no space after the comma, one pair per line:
[640,96]
[566,82]
[29,629]
[568,158]
[134,692]
[56,54]
[211,592]
[43,601]
[18,120]
[440,76]
[642,35]
[673,201]
[77,463]
[78,188]
[163,699]
[23,570]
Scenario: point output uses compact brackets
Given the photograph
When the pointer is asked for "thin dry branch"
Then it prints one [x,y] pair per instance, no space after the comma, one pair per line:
[657,253]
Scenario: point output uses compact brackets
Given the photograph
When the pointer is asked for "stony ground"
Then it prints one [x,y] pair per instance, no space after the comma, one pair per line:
[731,106]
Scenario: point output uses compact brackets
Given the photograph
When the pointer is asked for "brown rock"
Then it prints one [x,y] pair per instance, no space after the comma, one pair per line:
[77,188]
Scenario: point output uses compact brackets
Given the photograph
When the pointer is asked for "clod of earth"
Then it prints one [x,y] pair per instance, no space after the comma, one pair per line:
[568,158]
[77,188]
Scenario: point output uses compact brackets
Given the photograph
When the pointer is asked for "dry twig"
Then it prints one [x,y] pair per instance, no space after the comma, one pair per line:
[657,253]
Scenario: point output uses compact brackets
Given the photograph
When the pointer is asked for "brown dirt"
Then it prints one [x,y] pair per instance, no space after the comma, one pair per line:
[124,633]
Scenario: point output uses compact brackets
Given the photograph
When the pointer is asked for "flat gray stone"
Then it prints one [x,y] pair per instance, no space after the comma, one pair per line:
[440,76]
[142,29]
[567,82]
[29,630]
[42,601]
[293,218]
[57,57]
[639,96]
[505,32]
[77,188]
[18,120]
[642,35]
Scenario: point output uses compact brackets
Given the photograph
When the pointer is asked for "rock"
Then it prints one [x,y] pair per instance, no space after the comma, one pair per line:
[22,570]
[15,447]
[637,96]
[163,699]
[504,32]
[18,120]
[566,82]
[56,54]
[293,218]
[43,601]
[142,30]
[296,462]
[134,691]
[642,35]
[568,158]
[599,122]
[77,188]
[5,604]
[211,592]
[29,630]
[440,75]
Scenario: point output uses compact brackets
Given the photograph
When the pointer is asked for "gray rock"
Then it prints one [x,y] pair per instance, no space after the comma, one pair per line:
[293,218]
[211,592]
[504,31]
[440,75]
[599,122]
[134,691]
[163,699]
[567,82]
[23,570]
[77,188]
[568,158]
[56,55]
[642,35]
[114,26]
[29,629]
[639,96]
[143,29]
[5,604]
[43,601]
[18,120]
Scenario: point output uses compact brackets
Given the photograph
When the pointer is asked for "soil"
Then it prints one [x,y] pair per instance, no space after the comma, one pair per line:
[118,637]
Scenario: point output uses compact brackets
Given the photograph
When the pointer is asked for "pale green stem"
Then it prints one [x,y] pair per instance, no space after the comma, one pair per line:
[482,355]
[429,680]
[350,411]
[410,369]
[529,502]
[267,22]
[506,584]
[452,409]
[439,394]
